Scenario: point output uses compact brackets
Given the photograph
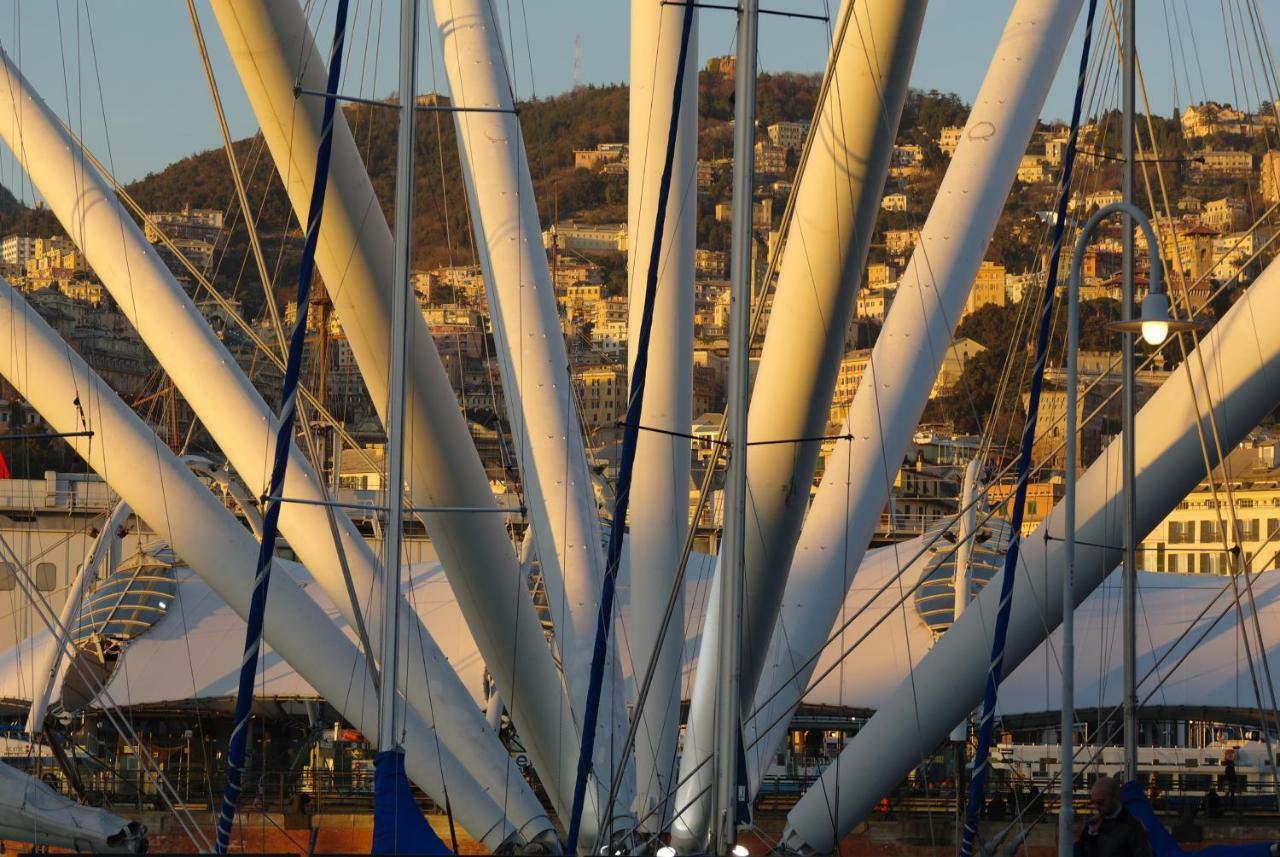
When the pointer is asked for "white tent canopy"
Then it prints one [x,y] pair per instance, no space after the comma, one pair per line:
[193,652]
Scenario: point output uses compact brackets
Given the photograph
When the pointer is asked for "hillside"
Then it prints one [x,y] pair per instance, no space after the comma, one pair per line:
[553,128]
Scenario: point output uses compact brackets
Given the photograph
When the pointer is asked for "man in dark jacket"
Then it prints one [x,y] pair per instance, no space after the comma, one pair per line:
[1112,831]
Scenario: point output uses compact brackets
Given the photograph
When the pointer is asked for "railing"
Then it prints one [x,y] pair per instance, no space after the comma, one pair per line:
[265,791]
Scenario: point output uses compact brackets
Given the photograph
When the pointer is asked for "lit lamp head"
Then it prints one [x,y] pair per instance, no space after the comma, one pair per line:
[1155,318]
[1153,322]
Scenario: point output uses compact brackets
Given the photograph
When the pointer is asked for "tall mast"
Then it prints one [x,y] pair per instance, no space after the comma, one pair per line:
[387,721]
[1128,478]
[728,710]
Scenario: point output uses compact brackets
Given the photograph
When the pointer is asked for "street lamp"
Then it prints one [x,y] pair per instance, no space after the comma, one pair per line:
[1154,325]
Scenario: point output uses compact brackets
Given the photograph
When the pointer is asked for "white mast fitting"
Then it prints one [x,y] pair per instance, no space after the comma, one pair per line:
[124,450]
[272,48]
[1241,358]
[907,356]
[236,416]
[535,371]
[659,515]
[837,201]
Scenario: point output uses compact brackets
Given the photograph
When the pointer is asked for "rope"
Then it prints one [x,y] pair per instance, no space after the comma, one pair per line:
[630,438]
[284,435]
[996,670]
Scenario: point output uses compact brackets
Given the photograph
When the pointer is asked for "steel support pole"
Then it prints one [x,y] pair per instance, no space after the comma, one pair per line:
[1130,580]
[724,833]
[1066,836]
[837,201]
[387,731]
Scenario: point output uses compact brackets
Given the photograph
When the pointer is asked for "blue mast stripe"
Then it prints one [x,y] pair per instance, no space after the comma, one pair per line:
[630,436]
[982,753]
[284,442]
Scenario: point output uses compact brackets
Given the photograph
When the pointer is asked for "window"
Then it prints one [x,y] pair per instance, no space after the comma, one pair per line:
[8,579]
[1209,532]
[1173,564]
[1248,529]
[1273,524]
[1206,563]
[1160,558]
[46,576]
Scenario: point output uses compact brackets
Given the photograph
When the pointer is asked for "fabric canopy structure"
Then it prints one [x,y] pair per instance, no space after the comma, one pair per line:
[1215,674]
[192,653]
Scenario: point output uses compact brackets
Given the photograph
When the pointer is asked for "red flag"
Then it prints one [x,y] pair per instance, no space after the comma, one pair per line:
[4,468]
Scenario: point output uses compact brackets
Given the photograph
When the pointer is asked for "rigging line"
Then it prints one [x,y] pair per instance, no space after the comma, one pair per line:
[758,314]
[728,8]
[276,325]
[630,439]
[241,194]
[284,443]
[1099,747]
[1173,66]
[418,108]
[249,330]
[995,672]
[1219,451]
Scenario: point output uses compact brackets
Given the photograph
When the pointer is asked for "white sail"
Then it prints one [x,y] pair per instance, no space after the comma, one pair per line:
[31,811]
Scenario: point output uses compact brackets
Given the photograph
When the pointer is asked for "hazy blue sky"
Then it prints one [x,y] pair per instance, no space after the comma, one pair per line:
[157,108]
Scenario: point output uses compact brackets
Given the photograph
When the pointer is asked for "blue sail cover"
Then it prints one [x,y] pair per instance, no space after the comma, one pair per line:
[398,825]
[1164,845]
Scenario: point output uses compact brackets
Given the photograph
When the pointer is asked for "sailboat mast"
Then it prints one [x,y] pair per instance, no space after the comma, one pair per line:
[728,713]
[387,721]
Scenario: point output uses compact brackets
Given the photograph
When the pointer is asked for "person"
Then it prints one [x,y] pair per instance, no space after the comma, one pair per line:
[1112,831]
[1212,803]
[1229,775]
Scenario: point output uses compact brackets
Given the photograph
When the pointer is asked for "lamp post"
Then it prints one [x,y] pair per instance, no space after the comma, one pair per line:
[1154,324]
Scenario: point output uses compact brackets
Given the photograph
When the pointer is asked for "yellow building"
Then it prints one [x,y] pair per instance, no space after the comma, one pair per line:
[988,287]
[874,304]
[852,367]
[1224,164]
[1031,170]
[1194,537]
[949,139]
[602,394]
[1269,178]
[957,356]
[899,242]
[1225,215]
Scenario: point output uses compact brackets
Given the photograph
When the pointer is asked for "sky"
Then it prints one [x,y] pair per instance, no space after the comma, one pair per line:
[131,74]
